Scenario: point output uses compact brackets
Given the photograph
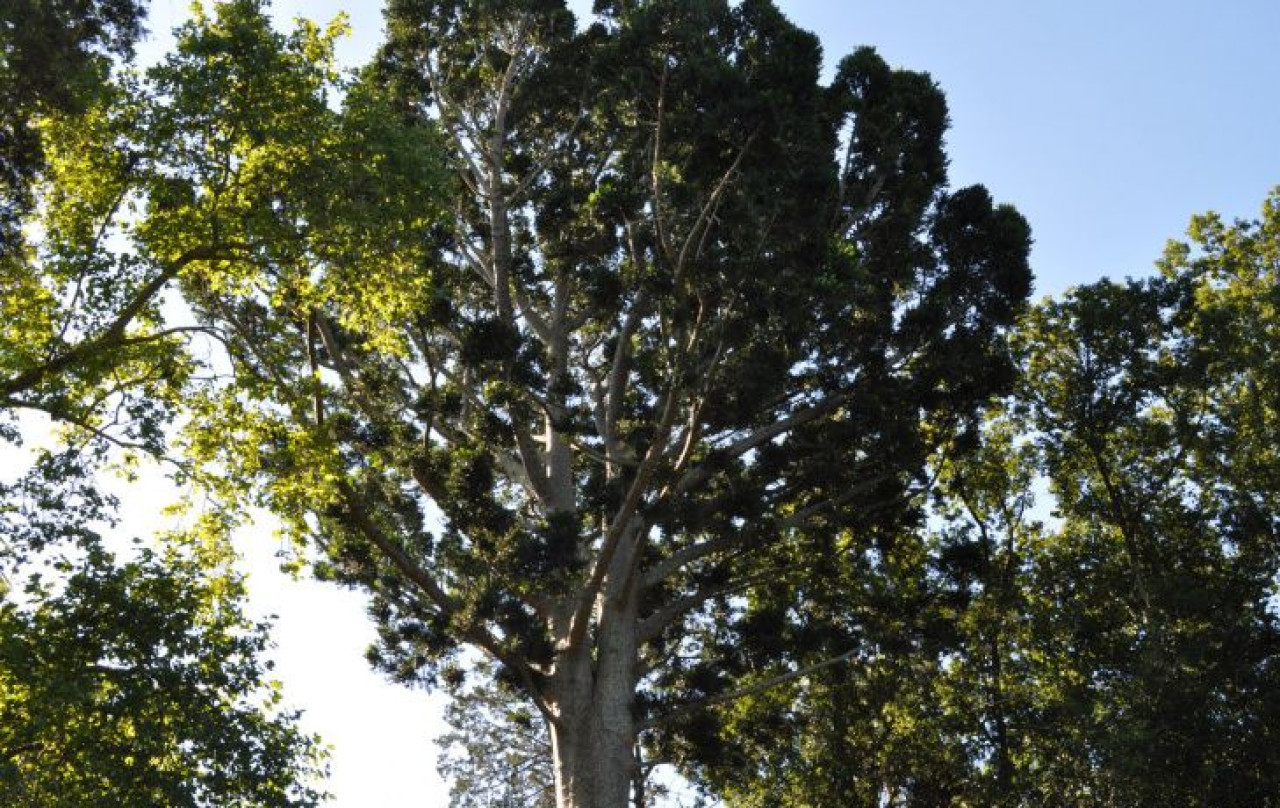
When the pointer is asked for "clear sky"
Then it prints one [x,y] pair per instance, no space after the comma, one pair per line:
[1107,123]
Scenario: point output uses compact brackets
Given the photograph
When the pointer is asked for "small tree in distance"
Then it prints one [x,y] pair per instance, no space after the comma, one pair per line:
[497,752]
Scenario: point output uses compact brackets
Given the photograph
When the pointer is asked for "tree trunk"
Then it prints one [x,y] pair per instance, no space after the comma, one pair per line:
[594,736]
[593,761]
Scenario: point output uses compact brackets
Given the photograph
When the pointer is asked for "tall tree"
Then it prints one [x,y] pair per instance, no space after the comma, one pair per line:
[680,322]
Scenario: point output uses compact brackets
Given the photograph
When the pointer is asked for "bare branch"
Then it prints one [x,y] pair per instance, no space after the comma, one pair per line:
[651,626]
[687,555]
[655,169]
[709,207]
[92,249]
[699,474]
[618,372]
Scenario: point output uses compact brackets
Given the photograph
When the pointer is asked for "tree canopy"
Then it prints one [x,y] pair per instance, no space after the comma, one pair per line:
[633,357]
[128,677]
[1096,618]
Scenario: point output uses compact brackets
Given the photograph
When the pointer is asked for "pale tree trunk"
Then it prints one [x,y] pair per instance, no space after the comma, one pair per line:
[593,761]
[594,734]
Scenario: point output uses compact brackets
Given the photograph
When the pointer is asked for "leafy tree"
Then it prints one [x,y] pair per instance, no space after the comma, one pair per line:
[138,684]
[1124,651]
[657,339]
[122,682]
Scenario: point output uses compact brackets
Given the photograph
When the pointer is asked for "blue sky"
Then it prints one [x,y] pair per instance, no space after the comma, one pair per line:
[1106,123]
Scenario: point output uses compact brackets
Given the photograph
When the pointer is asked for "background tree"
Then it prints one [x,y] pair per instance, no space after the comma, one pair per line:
[661,338]
[1123,652]
[497,753]
[56,55]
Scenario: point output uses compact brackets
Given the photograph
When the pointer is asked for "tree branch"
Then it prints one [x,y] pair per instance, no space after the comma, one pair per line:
[360,519]
[758,687]
[113,335]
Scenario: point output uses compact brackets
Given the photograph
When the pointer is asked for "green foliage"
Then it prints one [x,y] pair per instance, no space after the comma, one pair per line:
[122,682]
[1155,408]
[1121,652]
[54,57]
[81,339]
[142,683]
[639,359]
